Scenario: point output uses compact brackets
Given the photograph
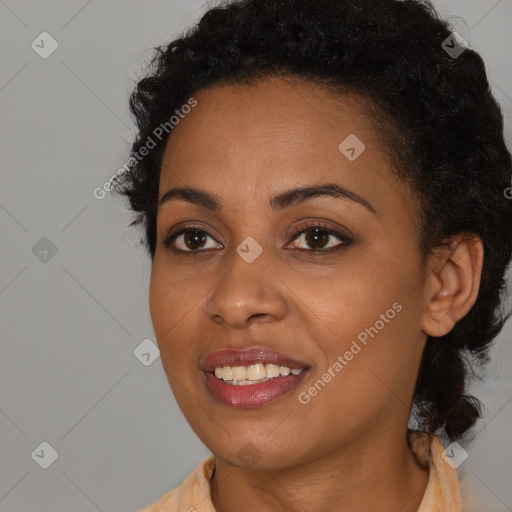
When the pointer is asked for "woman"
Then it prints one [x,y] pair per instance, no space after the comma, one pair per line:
[323,189]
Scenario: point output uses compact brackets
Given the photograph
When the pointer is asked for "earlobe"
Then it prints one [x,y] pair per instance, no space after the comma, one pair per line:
[453,283]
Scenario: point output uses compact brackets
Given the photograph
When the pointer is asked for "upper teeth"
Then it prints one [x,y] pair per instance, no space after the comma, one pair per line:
[253,372]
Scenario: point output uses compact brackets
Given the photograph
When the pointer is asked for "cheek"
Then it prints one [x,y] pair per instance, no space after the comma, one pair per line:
[171,303]
[373,302]
[344,302]
[170,308]
[370,363]
[161,303]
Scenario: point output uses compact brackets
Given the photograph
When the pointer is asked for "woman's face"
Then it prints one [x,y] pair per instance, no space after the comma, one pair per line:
[259,275]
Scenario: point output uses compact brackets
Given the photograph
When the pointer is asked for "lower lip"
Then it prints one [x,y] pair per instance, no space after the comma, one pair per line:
[253,395]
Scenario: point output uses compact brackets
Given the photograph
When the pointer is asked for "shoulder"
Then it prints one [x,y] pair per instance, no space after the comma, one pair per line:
[443,489]
[193,494]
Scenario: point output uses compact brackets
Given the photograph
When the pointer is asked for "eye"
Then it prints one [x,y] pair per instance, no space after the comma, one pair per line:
[194,240]
[188,239]
[319,236]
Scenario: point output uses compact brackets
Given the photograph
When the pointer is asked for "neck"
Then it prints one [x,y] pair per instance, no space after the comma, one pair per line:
[372,474]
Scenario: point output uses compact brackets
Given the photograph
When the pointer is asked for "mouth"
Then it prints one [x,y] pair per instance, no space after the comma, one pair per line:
[254,373]
[252,377]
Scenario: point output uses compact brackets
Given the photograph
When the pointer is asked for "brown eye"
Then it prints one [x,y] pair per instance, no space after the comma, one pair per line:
[188,240]
[193,239]
[317,237]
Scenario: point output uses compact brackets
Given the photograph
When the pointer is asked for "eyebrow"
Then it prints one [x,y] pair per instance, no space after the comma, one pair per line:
[278,202]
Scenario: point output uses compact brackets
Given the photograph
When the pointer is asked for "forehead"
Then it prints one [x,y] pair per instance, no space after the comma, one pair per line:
[273,135]
[271,117]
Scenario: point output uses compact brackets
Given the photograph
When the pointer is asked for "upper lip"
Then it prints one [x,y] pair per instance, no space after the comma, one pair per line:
[248,356]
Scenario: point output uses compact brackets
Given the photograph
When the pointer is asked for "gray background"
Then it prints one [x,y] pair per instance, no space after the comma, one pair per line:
[68,374]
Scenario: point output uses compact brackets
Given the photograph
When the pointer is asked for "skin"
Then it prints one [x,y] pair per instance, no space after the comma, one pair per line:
[346,449]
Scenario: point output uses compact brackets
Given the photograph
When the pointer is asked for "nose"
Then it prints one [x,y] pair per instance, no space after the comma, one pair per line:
[247,293]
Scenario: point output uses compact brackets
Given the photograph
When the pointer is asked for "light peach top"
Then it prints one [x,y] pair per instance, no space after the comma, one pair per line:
[441,495]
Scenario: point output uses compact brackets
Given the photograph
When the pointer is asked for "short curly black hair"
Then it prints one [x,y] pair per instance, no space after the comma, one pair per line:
[440,121]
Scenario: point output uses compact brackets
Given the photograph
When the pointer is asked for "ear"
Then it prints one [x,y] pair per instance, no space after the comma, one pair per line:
[453,281]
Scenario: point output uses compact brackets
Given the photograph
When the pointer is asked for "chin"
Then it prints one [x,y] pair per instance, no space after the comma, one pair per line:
[253,455]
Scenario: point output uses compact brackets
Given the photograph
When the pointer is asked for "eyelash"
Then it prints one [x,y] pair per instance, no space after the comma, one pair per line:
[345,241]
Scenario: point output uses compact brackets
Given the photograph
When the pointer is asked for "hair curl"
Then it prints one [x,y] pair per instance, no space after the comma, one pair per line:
[442,126]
